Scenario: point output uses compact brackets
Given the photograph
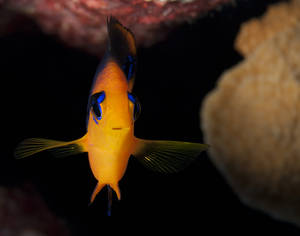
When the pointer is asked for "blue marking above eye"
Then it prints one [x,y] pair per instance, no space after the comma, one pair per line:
[137,106]
[131,98]
[95,104]
[101,97]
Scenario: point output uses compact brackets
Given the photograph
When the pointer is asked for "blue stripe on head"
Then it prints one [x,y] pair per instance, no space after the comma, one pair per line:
[130,71]
[128,67]
[130,58]
[131,98]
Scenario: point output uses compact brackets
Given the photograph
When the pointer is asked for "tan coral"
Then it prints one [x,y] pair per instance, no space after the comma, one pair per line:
[277,18]
[252,122]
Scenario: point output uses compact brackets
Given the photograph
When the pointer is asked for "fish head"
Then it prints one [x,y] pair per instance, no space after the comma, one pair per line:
[113,111]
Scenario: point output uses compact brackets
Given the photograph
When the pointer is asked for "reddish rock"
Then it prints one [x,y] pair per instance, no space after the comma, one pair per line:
[23,212]
[82,23]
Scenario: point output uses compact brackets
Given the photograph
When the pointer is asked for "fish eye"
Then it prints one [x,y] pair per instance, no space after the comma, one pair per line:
[137,106]
[95,104]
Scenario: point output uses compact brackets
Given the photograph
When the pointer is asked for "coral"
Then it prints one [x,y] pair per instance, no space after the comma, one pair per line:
[81,23]
[277,18]
[251,120]
[23,212]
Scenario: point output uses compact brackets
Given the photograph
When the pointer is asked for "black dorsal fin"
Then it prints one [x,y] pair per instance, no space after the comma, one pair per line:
[121,45]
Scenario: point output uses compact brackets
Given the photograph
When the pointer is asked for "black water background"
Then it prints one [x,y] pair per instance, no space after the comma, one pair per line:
[45,87]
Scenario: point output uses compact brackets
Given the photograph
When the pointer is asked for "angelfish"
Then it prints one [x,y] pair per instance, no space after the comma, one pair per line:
[112,111]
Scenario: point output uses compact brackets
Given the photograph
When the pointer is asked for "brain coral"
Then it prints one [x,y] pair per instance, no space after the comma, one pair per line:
[252,122]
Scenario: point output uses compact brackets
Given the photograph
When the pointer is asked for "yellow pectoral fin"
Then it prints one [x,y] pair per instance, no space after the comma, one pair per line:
[32,146]
[167,156]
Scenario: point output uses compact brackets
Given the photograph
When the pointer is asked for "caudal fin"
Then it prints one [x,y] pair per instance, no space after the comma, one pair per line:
[110,187]
[167,156]
[32,146]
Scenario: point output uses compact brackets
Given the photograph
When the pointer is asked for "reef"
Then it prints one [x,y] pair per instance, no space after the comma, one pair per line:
[277,18]
[82,23]
[251,119]
[23,212]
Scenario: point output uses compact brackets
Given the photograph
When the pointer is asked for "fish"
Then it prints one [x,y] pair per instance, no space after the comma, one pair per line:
[111,113]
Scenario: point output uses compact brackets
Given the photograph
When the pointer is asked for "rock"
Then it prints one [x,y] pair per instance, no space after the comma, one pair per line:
[24,213]
[251,121]
[278,18]
[82,23]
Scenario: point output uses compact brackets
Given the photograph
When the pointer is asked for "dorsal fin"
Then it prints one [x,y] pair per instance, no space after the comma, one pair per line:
[121,45]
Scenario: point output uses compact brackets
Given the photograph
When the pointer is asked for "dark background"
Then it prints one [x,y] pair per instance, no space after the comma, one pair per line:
[44,91]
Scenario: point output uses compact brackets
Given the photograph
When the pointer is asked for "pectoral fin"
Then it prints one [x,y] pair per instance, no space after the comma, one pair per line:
[32,146]
[167,156]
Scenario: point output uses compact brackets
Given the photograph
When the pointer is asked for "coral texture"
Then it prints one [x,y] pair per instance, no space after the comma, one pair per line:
[251,120]
[23,212]
[81,23]
[277,18]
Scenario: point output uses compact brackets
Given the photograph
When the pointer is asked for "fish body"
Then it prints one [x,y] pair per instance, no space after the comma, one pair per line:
[112,111]
[112,138]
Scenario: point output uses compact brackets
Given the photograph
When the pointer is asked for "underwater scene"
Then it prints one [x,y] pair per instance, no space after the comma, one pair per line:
[150,110]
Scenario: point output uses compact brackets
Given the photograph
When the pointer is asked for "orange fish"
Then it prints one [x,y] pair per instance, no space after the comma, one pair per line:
[112,111]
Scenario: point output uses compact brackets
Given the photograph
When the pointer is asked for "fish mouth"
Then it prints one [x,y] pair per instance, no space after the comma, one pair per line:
[117,128]
[120,128]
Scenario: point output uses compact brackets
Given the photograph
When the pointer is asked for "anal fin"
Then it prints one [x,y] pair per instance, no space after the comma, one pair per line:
[97,189]
[110,188]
